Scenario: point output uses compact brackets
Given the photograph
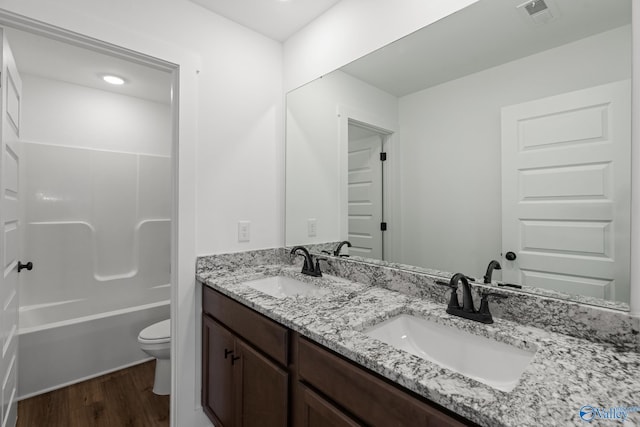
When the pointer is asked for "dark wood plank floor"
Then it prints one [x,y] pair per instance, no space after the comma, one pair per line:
[120,399]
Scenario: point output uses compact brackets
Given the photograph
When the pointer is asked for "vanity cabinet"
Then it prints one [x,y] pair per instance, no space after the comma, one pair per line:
[256,372]
[241,385]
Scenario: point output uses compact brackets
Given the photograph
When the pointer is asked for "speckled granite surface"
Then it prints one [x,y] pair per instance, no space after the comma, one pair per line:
[565,374]
[578,319]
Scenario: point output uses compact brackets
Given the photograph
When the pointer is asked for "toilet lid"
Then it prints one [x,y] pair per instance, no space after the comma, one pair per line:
[157,332]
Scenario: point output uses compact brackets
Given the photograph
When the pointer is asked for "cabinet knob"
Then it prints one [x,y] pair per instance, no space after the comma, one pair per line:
[234,358]
[510,256]
[227,352]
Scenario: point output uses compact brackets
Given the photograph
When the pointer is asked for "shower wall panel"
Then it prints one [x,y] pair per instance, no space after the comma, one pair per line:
[95,222]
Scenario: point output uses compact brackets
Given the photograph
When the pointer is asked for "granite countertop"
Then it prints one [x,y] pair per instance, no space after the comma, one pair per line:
[565,374]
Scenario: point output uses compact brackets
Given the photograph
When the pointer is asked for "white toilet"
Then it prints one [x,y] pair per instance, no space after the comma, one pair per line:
[155,340]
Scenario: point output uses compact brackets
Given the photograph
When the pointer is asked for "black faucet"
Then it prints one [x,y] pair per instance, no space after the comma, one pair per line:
[308,267]
[468,310]
[339,248]
[493,265]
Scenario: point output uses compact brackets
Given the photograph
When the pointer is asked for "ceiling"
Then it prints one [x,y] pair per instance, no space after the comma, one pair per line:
[276,19]
[483,35]
[43,57]
[56,60]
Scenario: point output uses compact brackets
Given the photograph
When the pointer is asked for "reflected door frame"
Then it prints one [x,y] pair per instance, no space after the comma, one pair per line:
[391,182]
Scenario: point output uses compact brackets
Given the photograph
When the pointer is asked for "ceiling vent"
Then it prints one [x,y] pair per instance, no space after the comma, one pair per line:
[539,11]
[536,6]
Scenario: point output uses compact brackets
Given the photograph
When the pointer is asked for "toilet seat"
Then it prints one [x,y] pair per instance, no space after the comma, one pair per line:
[157,333]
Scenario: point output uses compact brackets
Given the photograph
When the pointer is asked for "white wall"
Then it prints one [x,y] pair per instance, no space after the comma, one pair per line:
[353,28]
[315,154]
[450,142]
[60,113]
[230,153]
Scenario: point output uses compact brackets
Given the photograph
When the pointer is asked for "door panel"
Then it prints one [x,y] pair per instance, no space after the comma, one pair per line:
[11,97]
[588,238]
[569,182]
[584,124]
[365,197]
[565,180]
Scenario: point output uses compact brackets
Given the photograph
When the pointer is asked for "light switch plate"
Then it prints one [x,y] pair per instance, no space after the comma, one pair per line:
[312,227]
[244,231]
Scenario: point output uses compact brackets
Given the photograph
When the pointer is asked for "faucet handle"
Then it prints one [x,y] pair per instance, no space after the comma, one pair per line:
[485,294]
[317,268]
[484,301]
[454,303]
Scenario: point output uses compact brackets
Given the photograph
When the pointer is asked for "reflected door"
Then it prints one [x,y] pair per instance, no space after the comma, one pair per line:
[11,93]
[565,185]
[365,193]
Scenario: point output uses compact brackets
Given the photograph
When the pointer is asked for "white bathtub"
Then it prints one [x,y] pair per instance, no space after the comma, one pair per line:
[67,342]
[74,324]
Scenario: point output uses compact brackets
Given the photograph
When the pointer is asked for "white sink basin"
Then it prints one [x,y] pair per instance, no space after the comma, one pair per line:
[283,287]
[494,363]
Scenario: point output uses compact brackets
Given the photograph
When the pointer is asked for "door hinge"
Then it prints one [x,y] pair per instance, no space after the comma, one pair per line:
[383,156]
[383,226]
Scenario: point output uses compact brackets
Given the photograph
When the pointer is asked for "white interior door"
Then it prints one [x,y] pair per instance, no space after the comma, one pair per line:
[11,95]
[365,196]
[565,192]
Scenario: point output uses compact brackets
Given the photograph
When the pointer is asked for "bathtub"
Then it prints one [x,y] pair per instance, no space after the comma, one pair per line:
[75,324]
[70,341]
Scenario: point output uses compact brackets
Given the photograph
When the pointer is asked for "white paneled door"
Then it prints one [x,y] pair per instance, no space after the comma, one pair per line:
[565,192]
[365,196]
[11,95]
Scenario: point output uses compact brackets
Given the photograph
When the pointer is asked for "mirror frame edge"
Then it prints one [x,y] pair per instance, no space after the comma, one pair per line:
[634,300]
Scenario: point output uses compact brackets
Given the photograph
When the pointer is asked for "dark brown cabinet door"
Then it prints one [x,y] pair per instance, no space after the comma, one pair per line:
[317,412]
[217,351]
[264,389]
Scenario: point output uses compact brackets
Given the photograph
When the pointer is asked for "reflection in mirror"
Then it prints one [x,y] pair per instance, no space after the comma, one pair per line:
[504,132]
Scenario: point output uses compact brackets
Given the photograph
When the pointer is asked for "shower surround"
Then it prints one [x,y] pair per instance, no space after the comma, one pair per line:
[96,225]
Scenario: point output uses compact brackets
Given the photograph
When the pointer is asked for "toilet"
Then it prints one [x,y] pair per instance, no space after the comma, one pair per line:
[155,340]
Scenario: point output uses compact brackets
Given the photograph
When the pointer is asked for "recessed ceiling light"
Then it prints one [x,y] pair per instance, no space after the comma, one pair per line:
[114,80]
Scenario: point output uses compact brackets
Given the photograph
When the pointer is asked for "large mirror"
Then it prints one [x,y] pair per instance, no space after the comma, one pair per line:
[506,128]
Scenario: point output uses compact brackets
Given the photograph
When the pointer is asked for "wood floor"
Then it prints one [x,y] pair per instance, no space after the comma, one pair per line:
[120,399]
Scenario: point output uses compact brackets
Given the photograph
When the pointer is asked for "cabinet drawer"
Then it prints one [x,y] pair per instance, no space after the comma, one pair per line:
[366,396]
[270,337]
[317,412]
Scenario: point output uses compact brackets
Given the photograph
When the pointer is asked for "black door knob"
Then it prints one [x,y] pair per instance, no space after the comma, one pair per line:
[510,256]
[27,266]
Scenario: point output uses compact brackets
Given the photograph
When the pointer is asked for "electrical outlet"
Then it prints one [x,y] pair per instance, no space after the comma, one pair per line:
[244,231]
[312,227]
